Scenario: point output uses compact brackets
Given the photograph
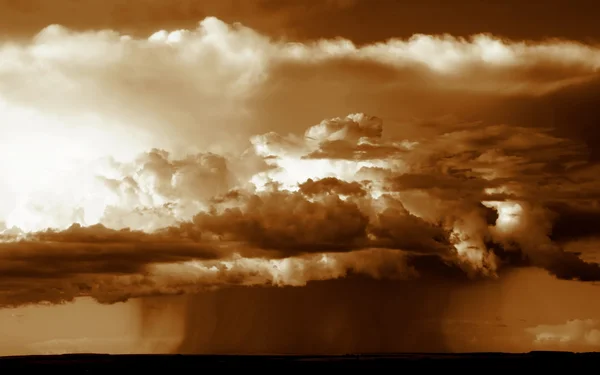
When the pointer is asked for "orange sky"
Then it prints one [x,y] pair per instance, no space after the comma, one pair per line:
[322,177]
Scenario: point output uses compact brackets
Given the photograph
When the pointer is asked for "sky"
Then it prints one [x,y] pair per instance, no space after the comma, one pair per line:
[308,177]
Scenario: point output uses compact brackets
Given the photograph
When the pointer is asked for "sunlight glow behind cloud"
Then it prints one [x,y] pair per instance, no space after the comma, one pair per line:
[113,144]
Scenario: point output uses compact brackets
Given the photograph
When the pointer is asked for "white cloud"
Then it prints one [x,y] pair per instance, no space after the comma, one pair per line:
[574,333]
[71,100]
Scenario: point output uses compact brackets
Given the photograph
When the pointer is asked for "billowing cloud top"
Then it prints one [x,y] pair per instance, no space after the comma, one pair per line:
[166,165]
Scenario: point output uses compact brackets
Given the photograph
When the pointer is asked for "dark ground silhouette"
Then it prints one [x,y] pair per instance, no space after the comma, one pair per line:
[91,364]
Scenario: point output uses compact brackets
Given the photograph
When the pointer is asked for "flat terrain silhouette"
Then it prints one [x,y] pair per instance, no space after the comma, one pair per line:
[100,363]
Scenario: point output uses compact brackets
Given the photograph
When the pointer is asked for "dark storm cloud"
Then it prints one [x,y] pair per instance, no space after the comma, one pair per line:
[333,186]
[571,112]
[487,162]
[574,221]
[291,223]
[110,265]
[113,265]
[467,157]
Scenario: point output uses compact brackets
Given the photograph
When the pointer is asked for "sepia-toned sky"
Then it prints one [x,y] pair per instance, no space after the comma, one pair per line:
[325,177]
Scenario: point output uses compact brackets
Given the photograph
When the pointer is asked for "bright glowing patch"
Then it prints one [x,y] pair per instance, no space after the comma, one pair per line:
[72,98]
[509,214]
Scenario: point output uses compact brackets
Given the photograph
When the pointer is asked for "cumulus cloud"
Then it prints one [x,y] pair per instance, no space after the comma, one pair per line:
[174,165]
[113,266]
[95,84]
[386,217]
[159,183]
[237,62]
[576,333]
